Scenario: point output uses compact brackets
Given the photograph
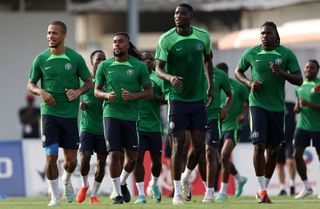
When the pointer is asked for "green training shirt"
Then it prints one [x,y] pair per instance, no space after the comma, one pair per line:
[57,73]
[309,117]
[149,112]
[240,95]
[91,117]
[271,95]
[131,75]
[220,83]
[184,57]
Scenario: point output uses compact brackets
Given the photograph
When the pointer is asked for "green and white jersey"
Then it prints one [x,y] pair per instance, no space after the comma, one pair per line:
[91,117]
[309,117]
[271,95]
[220,83]
[149,111]
[184,57]
[240,95]
[131,75]
[57,73]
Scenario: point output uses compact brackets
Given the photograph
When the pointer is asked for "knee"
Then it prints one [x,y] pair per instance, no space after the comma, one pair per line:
[259,148]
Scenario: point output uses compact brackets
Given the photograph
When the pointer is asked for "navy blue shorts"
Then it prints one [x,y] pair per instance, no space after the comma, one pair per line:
[93,142]
[150,141]
[120,134]
[233,135]
[266,126]
[302,138]
[63,131]
[187,115]
[213,133]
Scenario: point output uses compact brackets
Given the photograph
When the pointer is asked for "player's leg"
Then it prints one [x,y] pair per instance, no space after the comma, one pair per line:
[101,151]
[301,141]
[51,138]
[258,125]
[197,126]
[225,154]
[156,166]
[281,160]
[139,171]
[86,150]
[130,156]
[178,122]
[113,133]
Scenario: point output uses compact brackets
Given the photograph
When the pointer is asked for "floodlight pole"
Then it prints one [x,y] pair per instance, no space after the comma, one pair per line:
[133,19]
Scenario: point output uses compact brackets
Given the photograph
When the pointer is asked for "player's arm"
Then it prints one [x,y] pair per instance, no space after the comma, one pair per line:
[36,90]
[208,67]
[226,106]
[240,75]
[293,78]
[296,108]
[146,93]
[73,94]
[175,81]
[305,103]
[243,116]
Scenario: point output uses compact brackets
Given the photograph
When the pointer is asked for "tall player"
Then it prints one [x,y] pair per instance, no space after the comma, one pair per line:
[182,57]
[271,66]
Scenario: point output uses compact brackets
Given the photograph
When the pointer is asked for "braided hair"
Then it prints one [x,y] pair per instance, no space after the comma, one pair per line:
[274,27]
[133,51]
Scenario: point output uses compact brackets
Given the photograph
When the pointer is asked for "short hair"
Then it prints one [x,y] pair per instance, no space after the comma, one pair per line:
[315,62]
[133,51]
[187,6]
[61,24]
[274,27]
[94,52]
[222,66]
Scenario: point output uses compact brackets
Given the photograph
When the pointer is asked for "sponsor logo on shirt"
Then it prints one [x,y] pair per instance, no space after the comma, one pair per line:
[47,68]
[68,66]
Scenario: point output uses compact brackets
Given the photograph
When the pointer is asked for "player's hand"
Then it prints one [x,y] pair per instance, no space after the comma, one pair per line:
[256,85]
[210,97]
[296,108]
[127,95]
[223,114]
[275,68]
[73,94]
[83,105]
[176,81]
[316,88]
[47,98]
[240,119]
[304,103]
[111,97]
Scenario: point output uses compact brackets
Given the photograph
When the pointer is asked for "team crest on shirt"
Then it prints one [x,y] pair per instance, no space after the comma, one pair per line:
[129,72]
[68,66]
[199,47]
[278,61]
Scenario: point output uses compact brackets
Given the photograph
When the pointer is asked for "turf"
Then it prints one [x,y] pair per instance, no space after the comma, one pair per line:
[246,202]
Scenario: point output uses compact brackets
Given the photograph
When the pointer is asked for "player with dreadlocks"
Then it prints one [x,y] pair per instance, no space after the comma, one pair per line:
[271,66]
[119,82]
